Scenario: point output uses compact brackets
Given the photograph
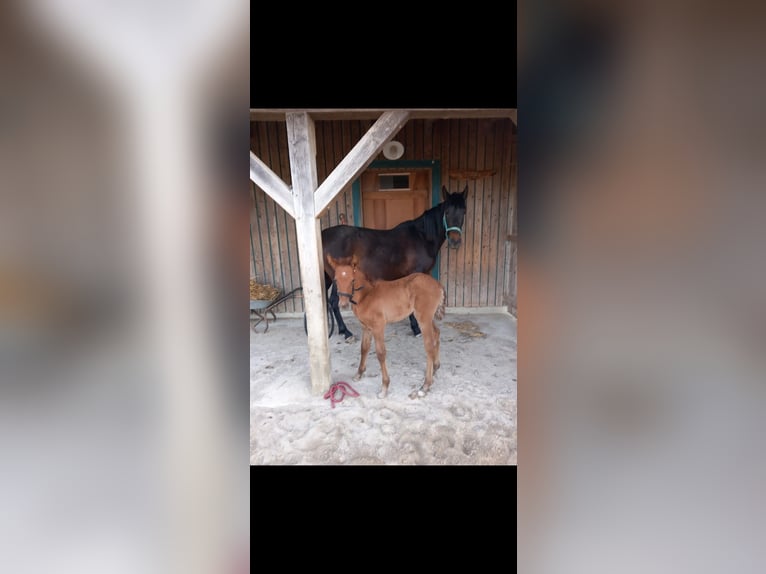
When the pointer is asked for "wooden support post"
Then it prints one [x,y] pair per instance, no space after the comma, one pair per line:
[272,184]
[360,156]
[302,147]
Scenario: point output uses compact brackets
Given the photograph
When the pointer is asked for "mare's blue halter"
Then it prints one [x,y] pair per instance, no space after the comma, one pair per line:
[448,229]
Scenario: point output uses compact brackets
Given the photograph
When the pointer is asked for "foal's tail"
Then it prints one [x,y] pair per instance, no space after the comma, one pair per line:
[440,309]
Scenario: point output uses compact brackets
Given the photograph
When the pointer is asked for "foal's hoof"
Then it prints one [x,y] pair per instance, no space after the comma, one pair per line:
[418,394]
[382,394]
[357,377]
[350,338]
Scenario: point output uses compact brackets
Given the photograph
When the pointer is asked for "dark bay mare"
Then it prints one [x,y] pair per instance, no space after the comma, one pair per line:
[410,247]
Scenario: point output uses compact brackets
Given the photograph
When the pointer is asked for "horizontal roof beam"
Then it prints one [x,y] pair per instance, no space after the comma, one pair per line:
[278,115]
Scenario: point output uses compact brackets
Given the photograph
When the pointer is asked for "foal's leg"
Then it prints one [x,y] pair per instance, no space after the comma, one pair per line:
[437,344]
[342,329]
[380,351]
[430,348]
[414,325]
[366,338]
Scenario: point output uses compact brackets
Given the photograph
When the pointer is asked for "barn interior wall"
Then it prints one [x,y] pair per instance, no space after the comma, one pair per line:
[479,153]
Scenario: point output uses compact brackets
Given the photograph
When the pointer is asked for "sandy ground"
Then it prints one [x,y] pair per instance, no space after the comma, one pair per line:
[469,417]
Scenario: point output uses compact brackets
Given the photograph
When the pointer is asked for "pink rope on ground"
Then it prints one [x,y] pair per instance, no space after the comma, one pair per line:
[344,389]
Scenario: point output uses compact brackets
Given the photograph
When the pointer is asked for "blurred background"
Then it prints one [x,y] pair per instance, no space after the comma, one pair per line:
[641,288]
[123,217]
[642,324]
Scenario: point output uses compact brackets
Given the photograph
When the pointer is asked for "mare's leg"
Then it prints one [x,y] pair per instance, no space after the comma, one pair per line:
[342,329]
[366,339]
[414,325]
[380,351]
[430,349]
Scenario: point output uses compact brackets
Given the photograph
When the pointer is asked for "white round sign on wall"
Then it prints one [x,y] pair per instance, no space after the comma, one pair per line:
[393,150]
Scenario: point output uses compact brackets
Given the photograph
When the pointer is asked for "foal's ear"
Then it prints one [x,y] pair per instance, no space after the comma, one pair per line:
[465,191]
[445,193]
[332,262]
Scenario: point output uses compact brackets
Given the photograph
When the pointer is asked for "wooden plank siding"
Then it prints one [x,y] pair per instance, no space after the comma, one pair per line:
[512,267]
[455,259]
[480,153]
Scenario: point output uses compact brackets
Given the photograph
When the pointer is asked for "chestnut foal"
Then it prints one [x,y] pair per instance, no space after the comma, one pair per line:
[384,302]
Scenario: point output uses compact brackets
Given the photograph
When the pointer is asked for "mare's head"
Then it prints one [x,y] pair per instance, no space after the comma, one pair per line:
[454,216]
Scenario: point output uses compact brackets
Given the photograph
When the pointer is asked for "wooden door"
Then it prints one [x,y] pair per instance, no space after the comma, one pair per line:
[390,196]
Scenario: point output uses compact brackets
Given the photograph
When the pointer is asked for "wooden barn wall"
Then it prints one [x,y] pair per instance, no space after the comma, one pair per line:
[481,273]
